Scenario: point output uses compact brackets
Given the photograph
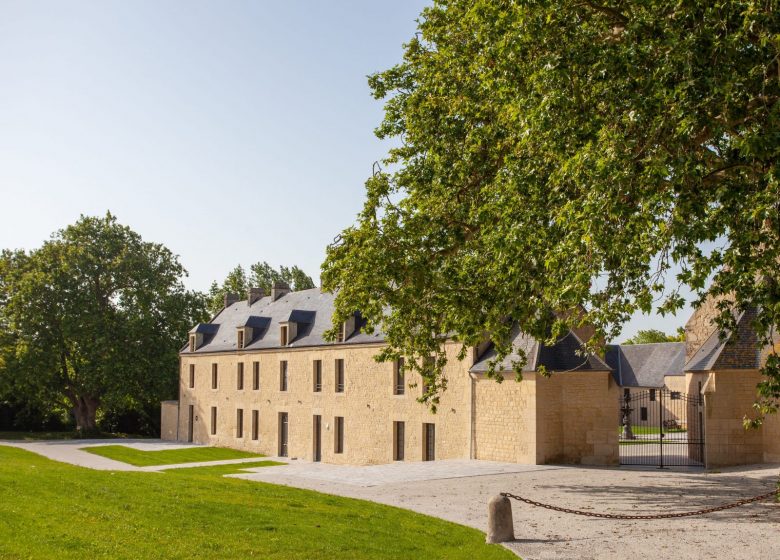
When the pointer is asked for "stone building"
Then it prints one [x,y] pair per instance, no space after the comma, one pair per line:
[261,377]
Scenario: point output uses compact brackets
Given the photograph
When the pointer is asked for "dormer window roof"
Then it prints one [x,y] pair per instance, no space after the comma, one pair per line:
[253,328]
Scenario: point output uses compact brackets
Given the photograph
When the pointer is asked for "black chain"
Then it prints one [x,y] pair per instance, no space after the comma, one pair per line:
[658,516]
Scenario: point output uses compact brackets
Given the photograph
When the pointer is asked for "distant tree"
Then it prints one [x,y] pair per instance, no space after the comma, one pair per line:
[262,275]
[93,320]
[654,335]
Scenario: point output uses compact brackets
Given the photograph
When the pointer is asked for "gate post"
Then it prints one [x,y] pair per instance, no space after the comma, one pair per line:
[500,525]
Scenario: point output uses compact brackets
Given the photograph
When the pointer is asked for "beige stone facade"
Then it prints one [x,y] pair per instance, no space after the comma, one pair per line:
[568,418]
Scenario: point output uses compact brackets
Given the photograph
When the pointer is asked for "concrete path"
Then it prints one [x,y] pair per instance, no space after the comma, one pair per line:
[459,491]
[71,451]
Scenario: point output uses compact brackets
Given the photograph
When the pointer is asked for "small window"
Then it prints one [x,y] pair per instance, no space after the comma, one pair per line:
[430,362]
[240,423]
[255,425]
[340,337]
[652,394]
[214,380]
[399,387]
[339,376]
[338,422]
[283,375]
[240,376]
[317,376]
[240,338]
[429,442]
[675,396]
[213,420]
[284,336]
[399,429]
[192,376]
[643,413]
[192,343]
[256,376]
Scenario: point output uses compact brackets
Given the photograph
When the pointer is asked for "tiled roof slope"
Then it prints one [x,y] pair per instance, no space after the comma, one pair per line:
[311,308]
[736,350]
[646,365]
[561,356]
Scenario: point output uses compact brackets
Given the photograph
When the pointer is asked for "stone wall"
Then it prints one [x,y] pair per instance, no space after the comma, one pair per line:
[367,404]
[729,396]
[576,418]
[505,419]
[169,417]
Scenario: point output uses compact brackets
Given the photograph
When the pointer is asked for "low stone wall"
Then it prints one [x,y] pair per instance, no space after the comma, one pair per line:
[169,420]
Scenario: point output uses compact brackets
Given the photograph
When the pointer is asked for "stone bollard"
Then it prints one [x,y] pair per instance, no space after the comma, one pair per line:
[500,526]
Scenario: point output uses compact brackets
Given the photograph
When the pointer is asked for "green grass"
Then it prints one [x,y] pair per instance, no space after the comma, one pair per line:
[167,456]
[647,430]
[54,510]
[221,470]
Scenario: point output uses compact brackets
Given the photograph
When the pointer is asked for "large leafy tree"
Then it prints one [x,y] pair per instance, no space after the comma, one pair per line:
[93,319]
[261,275]
[650,336]
[553,155]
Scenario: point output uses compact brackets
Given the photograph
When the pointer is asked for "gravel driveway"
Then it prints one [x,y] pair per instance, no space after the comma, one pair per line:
[459,491]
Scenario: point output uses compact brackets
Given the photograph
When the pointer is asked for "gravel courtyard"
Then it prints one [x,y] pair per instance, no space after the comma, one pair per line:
[459,491]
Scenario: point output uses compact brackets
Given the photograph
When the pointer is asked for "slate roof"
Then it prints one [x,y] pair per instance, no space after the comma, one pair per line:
[312,309]
[736,350]
[646,365]
[561,356]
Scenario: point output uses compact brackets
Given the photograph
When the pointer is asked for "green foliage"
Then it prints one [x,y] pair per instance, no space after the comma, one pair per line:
[262,275]
[552,155]
[53,510]
[167,456]
[93,320]
[654,335]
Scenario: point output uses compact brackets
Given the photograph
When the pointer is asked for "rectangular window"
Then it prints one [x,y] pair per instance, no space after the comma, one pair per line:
[192,343]
[283,434]
[284,336]
[192,376]
[339,376]
[399,387]
[214,382]
[255,424]
[240,376]
[256,376]
[399,429]
[317,376]
[652,394]
[675,395]
[240,339]
[239,422]
[283,375]
[430,362]
[338,422]
[213,420]
[643,413]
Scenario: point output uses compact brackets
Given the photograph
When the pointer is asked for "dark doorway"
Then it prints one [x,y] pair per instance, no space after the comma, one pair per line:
[429,442]
[317,438]
[190,423]
[283,431]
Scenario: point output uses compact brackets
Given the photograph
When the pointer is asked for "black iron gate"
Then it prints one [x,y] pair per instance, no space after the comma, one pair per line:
[663,428]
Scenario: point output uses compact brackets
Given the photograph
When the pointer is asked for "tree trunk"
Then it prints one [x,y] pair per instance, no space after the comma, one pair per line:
[84,410]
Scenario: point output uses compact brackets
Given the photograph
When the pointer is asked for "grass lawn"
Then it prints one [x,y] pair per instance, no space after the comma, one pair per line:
[167,456]
[54,510]
[647,430]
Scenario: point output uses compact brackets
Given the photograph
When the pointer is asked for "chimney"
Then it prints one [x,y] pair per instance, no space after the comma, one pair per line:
[278,290]
[253,295]
[230,299]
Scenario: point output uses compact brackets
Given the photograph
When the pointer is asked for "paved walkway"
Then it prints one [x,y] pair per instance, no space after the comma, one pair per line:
[459,491]
[71,451]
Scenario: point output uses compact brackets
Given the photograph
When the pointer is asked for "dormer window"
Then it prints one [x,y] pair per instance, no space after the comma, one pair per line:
[284,335]
[192,343]
[240,338]
[347,328]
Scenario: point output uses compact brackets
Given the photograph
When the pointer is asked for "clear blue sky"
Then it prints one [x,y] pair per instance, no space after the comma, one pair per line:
[231,132]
